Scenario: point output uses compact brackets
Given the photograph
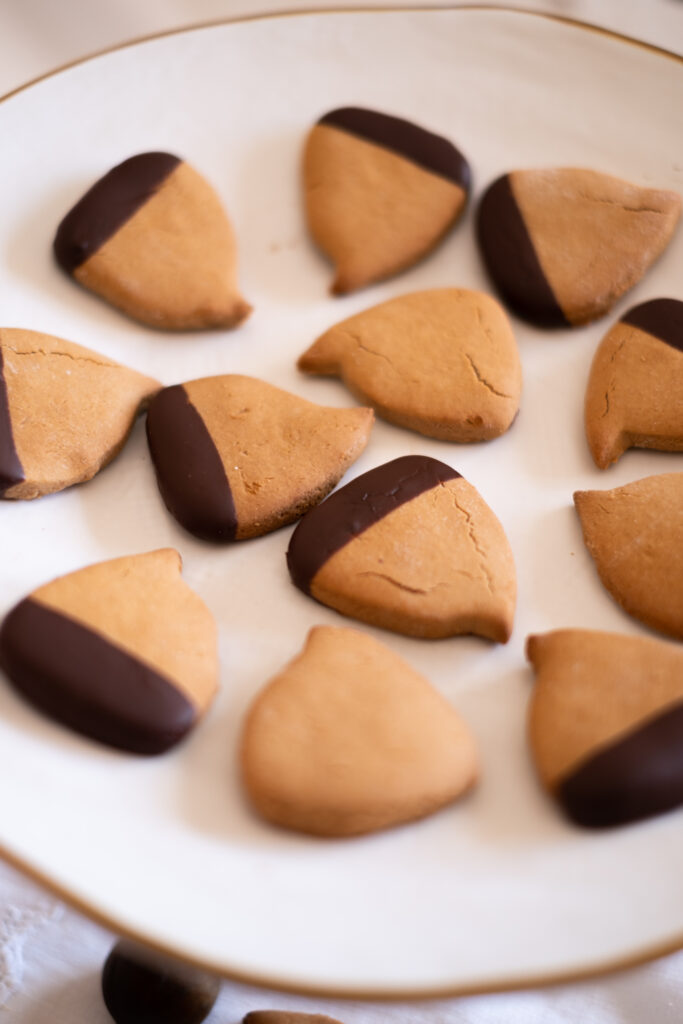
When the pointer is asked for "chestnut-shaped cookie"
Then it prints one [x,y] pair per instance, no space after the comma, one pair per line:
[563,244]
[380,192]
[152,238]
[410,546]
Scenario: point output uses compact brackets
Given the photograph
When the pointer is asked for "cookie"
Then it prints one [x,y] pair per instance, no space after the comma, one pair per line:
[634,397]
[348,739]
[562,245]
[236,457]
[152,238]
[606,724]
[141,986]
[635,536]
[442,362]
[65,412]
[380,192]
[121,651]
[412,547]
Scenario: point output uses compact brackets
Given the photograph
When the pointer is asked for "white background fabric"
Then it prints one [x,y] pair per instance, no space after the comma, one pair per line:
[50,957]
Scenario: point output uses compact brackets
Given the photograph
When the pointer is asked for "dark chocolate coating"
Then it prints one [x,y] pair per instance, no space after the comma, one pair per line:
[357,506]
[430,151]
[189,470]
[143,987]
[511,259]
[662,318]
[11,469]
[108,205]
[79,678]
[634,777]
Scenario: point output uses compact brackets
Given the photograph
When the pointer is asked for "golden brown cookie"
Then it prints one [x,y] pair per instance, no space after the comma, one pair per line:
[442,362]
[563,244]
[236,457]
[635,536]
[121,651]
[412,547]
[152,238]
[348,739]
[65,412]
[634,397]
[606,724]
[380,192]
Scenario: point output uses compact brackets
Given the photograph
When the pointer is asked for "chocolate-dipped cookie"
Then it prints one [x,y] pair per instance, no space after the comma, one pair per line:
[65,412]
[380,192]
[635,536]
[606,724]
[349,739]
[152,238]
[443,362]
[236,457]
[634,397]
[412,547]
[562,245]
[287,1017]
[121,651]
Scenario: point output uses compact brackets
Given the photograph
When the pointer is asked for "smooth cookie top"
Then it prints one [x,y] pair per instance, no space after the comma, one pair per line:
[606,724]
[152,238]
[412,547]
[633,397]
[348,739]
[121,651]
[563,244]
[236,457]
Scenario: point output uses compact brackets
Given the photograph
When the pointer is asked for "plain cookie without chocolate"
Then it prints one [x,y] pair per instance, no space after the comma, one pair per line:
[122,651]
[65,412]
[635,536]
[562,245]
[606,724]
[236,457]
[442,362]
[349,739]
[409,546]
[380,193]
[634,397]
[152,238]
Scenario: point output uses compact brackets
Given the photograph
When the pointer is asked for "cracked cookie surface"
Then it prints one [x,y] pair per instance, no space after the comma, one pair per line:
[380,192]
[634,396]
[122,651]
[606,724]
[634,534]
[65,412]
[152,238]
[563,244]
[442,362]
[236,457]
[349,738]
[412,547]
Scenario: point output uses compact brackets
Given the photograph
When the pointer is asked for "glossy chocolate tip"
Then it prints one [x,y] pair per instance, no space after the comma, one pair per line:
[511,260]
[189,470]
[354,508]
[662,318]
[634,778]
[106,207]
[430,151]
[79,678]
[11,469]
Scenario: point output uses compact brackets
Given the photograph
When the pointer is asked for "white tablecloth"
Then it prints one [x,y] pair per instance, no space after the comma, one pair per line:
[50,957]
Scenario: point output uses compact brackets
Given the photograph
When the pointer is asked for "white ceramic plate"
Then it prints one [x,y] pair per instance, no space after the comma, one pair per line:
[499,890]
